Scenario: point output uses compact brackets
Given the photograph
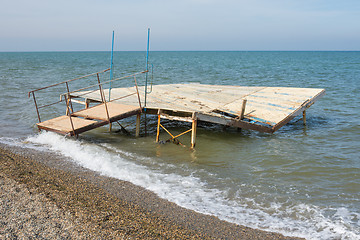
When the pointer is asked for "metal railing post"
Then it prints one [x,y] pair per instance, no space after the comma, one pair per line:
[137,91]
[103,98]
[68,109]
[37,109]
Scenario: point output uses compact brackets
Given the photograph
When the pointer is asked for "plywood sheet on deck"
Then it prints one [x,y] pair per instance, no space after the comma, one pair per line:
[269,105]
[99,111]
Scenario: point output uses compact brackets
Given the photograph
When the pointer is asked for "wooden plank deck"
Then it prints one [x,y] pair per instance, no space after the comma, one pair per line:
[90,118]
[267,108]
[116,111]
[63,125]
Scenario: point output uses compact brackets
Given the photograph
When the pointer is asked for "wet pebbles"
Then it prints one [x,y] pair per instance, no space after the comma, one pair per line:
[40,197]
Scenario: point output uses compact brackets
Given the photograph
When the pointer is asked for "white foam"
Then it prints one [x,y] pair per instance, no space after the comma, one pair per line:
[19,142]
[302,220]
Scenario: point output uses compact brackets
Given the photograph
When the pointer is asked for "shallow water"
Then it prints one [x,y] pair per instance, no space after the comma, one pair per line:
[300,181]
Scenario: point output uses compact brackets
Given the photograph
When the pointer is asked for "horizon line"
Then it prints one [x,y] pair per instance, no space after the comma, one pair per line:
[44,51]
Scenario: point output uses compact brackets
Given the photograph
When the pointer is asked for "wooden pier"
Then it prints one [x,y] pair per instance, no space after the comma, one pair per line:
[264,109]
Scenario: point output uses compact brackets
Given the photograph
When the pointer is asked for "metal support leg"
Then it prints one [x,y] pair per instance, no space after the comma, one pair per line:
[304,117]
[138,118]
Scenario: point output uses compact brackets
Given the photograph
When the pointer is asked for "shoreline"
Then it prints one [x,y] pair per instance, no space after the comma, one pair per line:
[96,206]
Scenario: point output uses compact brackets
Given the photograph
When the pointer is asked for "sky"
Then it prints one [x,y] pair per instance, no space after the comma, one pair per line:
[185,25]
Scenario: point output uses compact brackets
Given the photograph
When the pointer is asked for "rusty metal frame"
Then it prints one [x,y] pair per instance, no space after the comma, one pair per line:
[68,109]
[116,79]
[32,92]
[67,97]
[193,130]
[56,84]
[36,106]
[103,98]
[137,91]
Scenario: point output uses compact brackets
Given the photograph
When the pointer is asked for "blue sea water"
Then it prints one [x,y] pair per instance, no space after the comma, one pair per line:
[300,181]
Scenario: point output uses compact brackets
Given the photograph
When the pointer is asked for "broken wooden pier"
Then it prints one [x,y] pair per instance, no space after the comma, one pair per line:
[264,109]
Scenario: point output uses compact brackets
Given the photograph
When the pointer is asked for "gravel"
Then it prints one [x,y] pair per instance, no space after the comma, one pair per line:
[44,197]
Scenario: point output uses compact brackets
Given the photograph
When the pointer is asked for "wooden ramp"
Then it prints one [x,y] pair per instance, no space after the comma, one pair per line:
[266,108]
[89,118]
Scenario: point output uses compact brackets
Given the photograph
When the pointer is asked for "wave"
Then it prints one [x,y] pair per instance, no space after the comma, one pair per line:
[190,191]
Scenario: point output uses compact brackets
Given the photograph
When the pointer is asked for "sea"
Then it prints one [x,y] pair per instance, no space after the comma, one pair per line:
[301,181]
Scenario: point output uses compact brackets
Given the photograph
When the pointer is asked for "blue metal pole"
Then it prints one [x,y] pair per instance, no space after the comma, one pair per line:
[111,63]
[147,64]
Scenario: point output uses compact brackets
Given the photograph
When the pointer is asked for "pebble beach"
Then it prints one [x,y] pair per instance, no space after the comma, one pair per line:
[41,198]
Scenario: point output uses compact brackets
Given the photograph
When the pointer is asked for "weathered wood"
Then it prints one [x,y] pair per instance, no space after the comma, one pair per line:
[158,128]
[99,111]
[176,118]
[243,109]
[63,124]
[74,124]
[193,133]
[233,123]
[265,109]
[87,103]
[270,106]
[306,104]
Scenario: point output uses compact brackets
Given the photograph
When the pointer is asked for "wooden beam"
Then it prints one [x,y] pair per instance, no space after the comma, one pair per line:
[175,118]
[158,129]
[233,123]
[243,109]
[87,103]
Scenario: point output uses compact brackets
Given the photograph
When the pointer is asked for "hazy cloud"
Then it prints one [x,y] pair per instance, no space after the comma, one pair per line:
[180,25]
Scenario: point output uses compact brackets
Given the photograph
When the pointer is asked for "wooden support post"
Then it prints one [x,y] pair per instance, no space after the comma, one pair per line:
[138,118]
[110,126]
[242,113]
[87,103]
[243,109]
[68,101]
[304,117]
[193,133]
[193,130]
[158,128]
